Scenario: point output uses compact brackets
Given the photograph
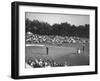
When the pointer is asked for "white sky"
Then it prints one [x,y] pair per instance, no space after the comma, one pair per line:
[59,18]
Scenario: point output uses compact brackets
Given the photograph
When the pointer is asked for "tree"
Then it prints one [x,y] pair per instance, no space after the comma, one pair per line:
[63,29]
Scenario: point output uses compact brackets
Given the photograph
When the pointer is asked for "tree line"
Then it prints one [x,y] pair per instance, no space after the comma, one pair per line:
[62,29]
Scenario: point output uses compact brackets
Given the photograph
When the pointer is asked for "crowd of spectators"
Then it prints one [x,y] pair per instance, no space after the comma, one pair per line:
[51,39]
[38,63]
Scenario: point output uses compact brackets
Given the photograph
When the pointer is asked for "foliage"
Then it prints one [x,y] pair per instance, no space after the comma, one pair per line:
[63,29]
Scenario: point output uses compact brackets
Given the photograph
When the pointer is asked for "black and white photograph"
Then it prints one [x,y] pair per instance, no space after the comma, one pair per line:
[50,40]
[56,40]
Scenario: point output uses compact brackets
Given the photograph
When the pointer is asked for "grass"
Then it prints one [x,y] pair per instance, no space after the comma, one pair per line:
[60,54]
